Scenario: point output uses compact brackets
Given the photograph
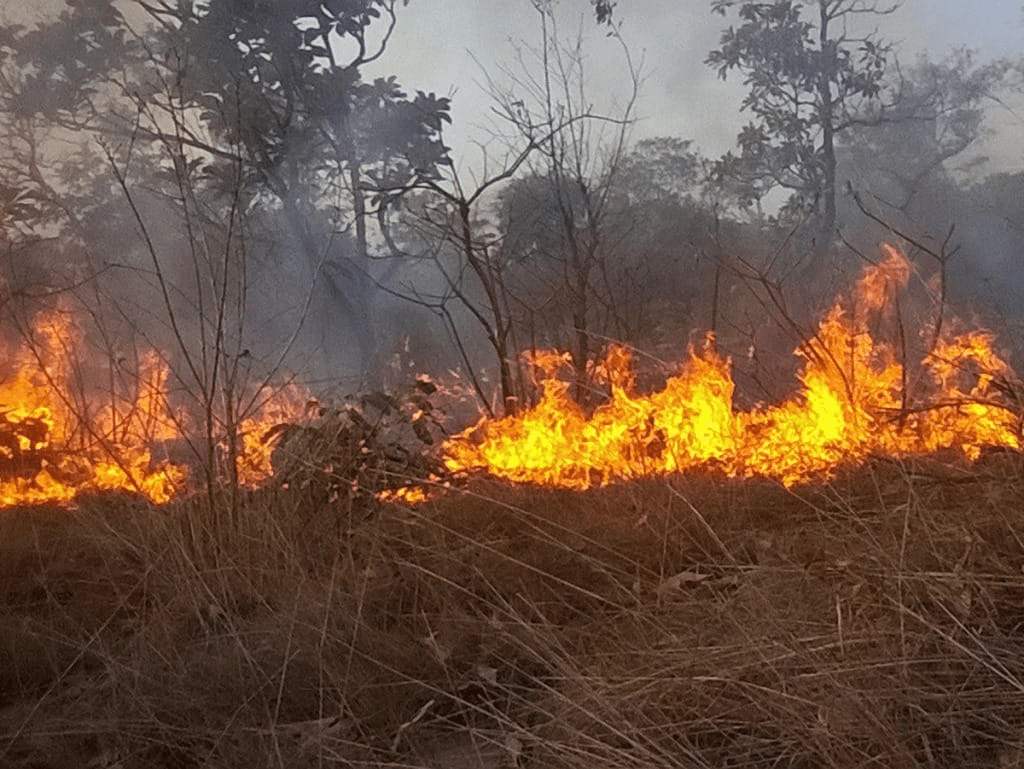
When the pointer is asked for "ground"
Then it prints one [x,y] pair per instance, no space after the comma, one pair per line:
[874,619]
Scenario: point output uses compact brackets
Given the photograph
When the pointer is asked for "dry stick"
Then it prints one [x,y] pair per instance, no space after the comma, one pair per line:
[952,403]
[440,307]
[942,257]
[986,660]
[321,643]
[229,391]
[555,653]
[113,380]
[807,341]
[901,587]
[903,357]
[704,523]
[211,357]
[158,271]
[207,382]
[157,267]
[530,521]
[108,449]
[288,657]
[492,550]
[839,626]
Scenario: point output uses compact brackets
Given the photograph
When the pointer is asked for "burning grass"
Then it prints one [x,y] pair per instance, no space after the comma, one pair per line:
[858,605]
[858,396]
[691,621]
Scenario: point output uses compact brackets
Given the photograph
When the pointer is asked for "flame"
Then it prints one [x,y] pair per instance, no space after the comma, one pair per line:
[281,406]
[850,405]
[55,441]
[852,402]
[406,495]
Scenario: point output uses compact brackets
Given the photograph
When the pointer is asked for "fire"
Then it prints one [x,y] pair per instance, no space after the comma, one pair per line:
[281,406]
[851,404]
[56,440]
[408,495]
[856,398]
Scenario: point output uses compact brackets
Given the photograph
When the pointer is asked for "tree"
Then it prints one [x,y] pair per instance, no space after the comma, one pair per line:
[809,80]
[553,136]
[54,90]
[275,84]
[212,126]
[660,168]
[579,163]
[644,264]
[286,85]
[940,115]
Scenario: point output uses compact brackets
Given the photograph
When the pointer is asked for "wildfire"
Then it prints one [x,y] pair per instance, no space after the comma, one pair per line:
[852,403]
[57,440]
[855,399]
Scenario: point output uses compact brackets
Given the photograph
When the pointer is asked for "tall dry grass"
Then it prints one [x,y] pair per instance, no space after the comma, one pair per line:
[688,622]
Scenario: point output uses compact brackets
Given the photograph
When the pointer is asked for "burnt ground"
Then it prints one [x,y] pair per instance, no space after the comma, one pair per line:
[873,620]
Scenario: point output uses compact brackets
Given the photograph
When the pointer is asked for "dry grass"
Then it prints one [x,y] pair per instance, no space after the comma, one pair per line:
[690,622]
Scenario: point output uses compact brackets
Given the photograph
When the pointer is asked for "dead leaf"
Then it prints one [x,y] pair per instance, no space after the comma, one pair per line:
[676,581]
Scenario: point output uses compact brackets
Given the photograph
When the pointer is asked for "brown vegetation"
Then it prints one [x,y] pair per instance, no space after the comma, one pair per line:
[701,622]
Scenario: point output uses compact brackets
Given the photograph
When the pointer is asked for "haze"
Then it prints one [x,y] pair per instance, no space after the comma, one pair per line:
[444,45]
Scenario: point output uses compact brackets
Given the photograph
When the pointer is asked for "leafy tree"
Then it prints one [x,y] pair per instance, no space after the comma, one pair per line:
[810,80]
[283,80]
[659,168]
[214,125]
[649,228]
[603,11]
[940,115]
[55,89]
[263,104]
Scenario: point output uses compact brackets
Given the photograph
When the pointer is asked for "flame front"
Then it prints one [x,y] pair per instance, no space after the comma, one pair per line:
[851,404]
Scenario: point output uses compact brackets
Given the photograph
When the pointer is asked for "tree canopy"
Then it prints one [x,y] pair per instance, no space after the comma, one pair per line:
[809,79]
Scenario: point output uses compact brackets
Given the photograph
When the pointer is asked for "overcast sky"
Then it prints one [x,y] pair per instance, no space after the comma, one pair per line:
[436,41]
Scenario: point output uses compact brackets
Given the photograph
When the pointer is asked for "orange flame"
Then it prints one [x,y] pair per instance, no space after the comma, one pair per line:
[287,404]
[850,405]
[54,445]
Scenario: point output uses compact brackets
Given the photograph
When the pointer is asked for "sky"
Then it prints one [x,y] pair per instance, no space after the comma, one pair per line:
[444,46]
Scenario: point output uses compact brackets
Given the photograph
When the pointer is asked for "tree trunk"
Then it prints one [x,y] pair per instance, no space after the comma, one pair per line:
[581,353]
[499,326]
[366,336]
[827,118]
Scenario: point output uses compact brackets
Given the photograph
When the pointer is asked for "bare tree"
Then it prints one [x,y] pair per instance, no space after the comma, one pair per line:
[580,152]
[550,129]
[446,227]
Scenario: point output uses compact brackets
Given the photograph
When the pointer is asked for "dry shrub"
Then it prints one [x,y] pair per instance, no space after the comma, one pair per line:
[698,622]
[356,449]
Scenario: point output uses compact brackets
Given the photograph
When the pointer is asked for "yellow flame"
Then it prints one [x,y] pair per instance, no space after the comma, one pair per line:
[849,406]
[407,495]
[52,445]
[286,404]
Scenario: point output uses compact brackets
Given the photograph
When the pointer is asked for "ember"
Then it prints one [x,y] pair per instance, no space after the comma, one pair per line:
[851,404]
